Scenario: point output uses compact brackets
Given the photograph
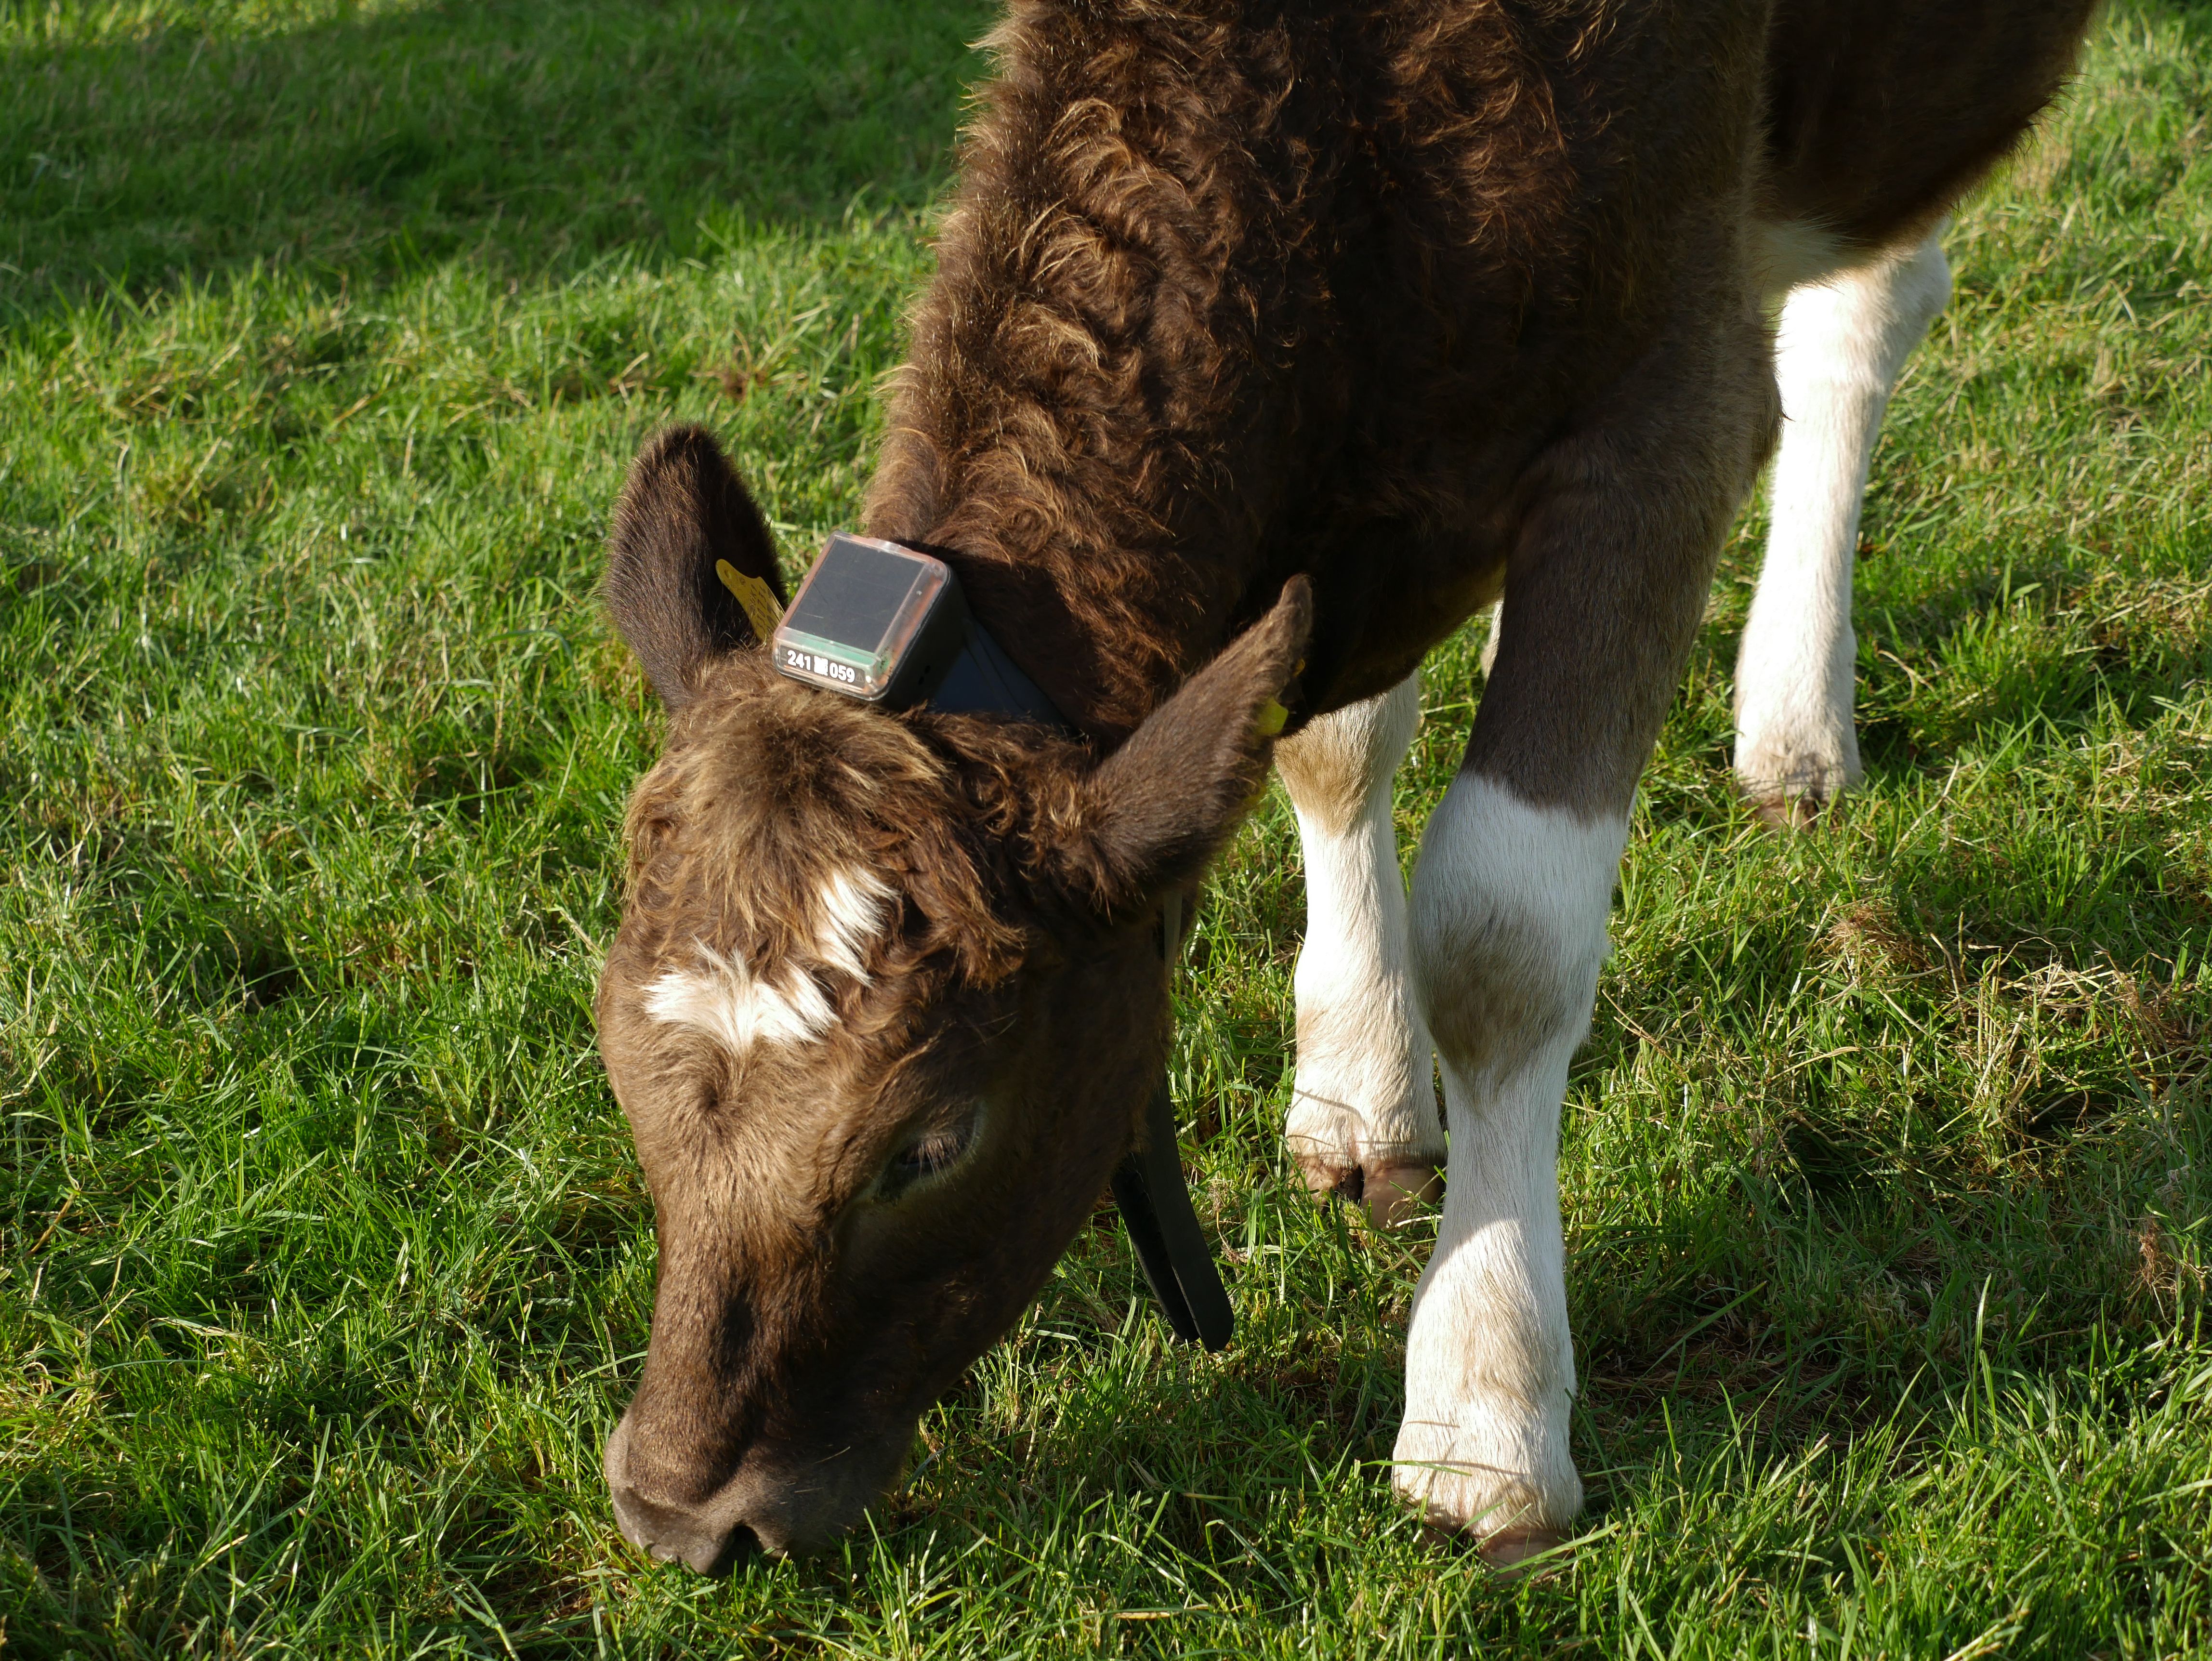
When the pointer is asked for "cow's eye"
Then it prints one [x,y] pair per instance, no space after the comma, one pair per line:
[927,1151]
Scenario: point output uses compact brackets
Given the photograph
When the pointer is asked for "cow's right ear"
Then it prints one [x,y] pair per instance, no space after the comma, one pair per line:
[683,512]
[1151,815]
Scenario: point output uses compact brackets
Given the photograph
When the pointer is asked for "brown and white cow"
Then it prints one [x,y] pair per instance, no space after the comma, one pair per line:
[1270,340]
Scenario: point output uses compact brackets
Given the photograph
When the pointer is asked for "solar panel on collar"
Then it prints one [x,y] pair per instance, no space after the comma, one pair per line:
[874,621]
[855,596]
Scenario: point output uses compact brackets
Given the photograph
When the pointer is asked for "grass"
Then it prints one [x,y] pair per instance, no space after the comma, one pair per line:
[325,331]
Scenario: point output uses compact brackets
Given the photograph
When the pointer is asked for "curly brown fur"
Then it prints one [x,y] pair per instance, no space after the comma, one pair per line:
[1235,290]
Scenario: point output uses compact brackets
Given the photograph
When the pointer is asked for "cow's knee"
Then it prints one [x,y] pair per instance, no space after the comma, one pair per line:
[1362,1120]
[1509,932]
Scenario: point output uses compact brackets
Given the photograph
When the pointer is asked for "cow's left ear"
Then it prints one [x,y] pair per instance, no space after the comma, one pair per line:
[1153,813]
[682,514]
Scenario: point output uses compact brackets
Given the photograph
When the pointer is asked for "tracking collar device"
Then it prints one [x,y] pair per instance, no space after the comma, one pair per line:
[887,624]
[884,624]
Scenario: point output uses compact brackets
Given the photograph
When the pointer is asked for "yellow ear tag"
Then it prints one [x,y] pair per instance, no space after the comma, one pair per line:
[755,596]
[1271,718]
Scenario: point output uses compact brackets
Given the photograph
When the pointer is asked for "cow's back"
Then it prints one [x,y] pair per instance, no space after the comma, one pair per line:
[1234,290]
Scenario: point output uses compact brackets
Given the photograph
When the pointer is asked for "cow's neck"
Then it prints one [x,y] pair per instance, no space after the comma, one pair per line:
[1099,428]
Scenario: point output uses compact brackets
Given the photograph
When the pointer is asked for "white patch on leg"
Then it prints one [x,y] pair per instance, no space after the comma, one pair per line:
[1362,1096]
[740,1005]
[1842,342]
[1509,907]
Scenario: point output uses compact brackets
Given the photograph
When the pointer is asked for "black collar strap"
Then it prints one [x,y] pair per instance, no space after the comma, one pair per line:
[1156,1209]
[887,623]
[984,679]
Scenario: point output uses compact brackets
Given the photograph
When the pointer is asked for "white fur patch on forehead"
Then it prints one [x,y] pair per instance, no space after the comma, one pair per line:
[739,1004]
[729,1003]
[852,912]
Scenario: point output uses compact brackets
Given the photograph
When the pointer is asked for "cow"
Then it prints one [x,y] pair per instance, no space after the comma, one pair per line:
[1269,342]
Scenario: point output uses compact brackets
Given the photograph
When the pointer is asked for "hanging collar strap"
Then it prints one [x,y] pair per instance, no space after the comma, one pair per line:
[1155,1201]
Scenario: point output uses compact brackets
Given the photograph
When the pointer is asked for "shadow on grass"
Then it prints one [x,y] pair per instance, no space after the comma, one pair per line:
[533,138]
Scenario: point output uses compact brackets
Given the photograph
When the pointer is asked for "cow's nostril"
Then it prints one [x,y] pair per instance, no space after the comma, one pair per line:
[706,1554]
[700,1546]
[679,1533]
[742,1546]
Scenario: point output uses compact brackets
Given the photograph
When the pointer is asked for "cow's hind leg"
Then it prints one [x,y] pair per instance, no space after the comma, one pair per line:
[1842,341]
[1603,598]
[1363,1120]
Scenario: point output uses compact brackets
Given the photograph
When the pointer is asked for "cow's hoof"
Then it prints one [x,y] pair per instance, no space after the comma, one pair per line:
[1514,1552]
[1785,810]
[1500,1481]
[1393,1191]
[1510,1554]
[1790,787]
[1329,1179]
[1397,1191]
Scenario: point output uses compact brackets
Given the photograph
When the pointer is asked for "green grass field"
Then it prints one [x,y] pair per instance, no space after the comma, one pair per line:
[325,332]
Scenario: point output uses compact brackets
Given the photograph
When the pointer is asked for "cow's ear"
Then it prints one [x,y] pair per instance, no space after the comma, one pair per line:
[1154,812]
[683,513]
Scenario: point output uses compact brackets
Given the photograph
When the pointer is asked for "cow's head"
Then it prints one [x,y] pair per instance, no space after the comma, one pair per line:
[884,1009]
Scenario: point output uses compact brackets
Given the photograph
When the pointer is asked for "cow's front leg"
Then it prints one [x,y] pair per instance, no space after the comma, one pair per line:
[1362,1120]
[1509,904]
[1604,594]
[1842,343]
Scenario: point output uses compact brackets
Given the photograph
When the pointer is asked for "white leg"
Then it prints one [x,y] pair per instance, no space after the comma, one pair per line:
[1363,1116]
[1842,342]
[1510,905]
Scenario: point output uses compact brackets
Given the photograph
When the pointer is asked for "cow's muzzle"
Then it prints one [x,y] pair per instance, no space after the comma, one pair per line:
[713,1534]
[771,1503]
